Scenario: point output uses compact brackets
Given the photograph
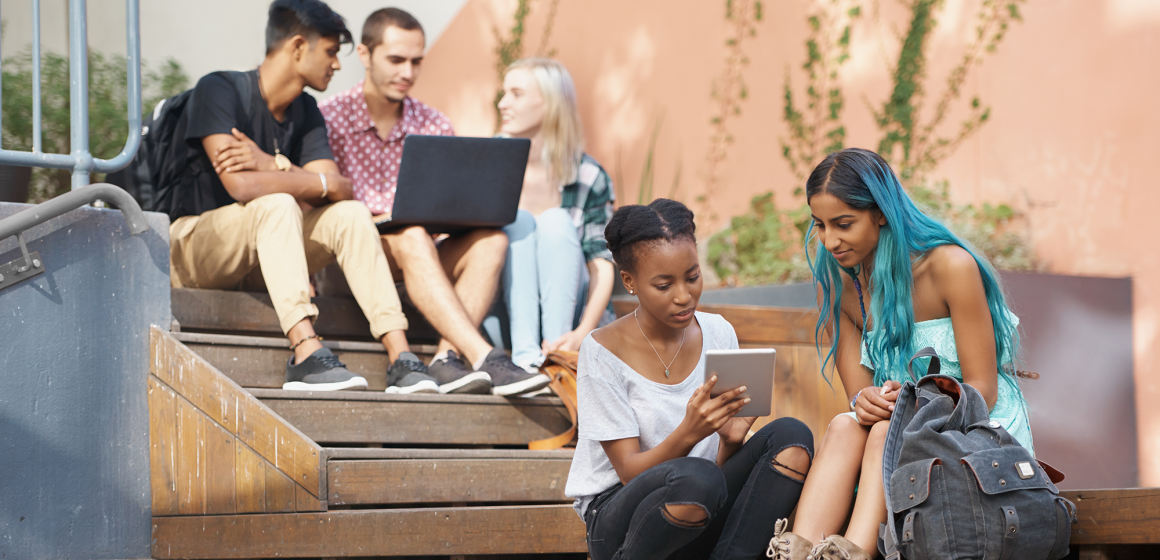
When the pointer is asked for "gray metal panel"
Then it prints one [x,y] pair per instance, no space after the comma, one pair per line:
[1077,334]
[74,423]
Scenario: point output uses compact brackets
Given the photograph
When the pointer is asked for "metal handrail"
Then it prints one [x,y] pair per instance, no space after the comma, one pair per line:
[81,161]
[69,201]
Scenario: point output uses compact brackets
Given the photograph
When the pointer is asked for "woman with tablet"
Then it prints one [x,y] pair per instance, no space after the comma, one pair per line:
[891,280]
[660,467]
[557,257]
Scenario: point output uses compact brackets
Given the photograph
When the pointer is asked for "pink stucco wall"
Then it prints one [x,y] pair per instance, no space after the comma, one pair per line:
[1073,127]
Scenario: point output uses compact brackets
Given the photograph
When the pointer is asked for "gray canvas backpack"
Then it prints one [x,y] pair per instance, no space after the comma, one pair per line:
[959,486]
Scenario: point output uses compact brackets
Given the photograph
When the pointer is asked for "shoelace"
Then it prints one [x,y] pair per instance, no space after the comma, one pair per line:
[331,362]
[778,547]
[412,365]
[827,547]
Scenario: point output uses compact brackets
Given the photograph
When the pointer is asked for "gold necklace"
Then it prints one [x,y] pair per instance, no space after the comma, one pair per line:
[280,160]
[637,317]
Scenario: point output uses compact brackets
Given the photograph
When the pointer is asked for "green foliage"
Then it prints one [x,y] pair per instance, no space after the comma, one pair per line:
[108,99]
[510,48]
[762,246]
[817,129]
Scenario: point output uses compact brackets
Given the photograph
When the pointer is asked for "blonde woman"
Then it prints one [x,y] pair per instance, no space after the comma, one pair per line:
[559,275]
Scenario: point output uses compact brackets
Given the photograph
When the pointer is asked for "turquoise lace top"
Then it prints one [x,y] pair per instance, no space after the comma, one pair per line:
[1010,408]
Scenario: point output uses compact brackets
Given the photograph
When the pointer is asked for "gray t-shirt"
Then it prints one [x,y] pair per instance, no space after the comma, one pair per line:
[616,402]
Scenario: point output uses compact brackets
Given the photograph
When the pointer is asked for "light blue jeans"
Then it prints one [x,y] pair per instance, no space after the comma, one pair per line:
[544,281]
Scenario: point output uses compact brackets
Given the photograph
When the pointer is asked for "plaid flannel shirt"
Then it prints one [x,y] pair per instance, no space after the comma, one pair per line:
[589,202]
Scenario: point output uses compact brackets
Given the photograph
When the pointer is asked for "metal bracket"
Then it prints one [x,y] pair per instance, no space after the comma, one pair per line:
[21,269]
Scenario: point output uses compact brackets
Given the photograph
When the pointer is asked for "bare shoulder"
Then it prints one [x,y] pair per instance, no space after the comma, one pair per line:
[951,261]
[613,334]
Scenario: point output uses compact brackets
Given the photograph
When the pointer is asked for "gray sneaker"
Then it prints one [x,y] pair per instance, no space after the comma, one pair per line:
[454,376]
[322,371]
[408,375]
[509,379]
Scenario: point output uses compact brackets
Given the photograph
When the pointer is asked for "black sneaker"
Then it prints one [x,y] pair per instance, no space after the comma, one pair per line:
[509,379]
[408,375]
[321,372]
[454,376]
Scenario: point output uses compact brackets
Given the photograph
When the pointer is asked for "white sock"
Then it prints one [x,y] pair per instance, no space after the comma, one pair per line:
[478,366]
[440,356]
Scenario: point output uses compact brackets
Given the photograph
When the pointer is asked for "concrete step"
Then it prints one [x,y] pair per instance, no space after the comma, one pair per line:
[363,476]
[370,417]
[260,362]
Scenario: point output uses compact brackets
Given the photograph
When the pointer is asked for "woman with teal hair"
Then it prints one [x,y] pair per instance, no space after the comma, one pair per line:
[891,280]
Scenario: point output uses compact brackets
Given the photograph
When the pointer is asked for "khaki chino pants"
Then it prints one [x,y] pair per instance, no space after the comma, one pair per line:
[270,244]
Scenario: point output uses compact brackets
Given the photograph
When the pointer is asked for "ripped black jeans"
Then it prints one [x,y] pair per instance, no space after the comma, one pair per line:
[743,500]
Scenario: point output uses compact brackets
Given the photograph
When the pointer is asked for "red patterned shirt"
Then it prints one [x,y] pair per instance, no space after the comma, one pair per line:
[370,162]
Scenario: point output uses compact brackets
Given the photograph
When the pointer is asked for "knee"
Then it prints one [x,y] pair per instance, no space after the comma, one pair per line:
[556,223]
[275,204]
[699,481]
[685,515]
[788,431]
[877,437]
[524,225]
[491,241]
[793,462]
[409,241]
[351,211]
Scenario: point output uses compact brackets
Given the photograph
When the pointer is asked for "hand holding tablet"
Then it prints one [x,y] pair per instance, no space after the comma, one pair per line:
[752,368]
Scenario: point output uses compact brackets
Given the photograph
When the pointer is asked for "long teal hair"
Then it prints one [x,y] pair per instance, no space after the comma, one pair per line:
[864,181]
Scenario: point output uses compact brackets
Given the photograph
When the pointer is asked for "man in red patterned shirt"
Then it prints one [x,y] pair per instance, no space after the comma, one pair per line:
[453,282]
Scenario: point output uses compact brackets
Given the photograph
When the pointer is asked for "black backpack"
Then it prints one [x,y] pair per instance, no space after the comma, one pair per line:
[165,163]
[958,485]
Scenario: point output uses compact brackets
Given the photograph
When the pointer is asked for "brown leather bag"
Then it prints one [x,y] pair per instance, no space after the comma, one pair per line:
[560,367]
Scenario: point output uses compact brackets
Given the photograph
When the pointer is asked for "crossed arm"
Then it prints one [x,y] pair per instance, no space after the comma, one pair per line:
[248,173]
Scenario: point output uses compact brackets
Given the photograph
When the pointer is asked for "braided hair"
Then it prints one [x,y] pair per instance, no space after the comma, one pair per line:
[662,220]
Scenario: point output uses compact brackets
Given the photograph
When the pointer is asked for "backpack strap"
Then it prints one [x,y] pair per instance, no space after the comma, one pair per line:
[560,367]
[241,82]
[933,369]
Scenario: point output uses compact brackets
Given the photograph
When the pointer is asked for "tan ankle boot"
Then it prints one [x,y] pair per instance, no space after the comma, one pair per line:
[836,547]
[785,545]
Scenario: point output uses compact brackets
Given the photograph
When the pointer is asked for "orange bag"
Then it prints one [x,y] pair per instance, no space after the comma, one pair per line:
[560,367]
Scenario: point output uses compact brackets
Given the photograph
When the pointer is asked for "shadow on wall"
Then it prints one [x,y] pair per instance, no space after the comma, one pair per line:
[1077,334]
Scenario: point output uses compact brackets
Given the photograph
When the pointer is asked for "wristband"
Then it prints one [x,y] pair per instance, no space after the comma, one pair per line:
[855,399]
[325,190]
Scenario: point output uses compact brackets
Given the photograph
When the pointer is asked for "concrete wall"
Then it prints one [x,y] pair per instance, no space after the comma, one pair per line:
[1070,141]
[74,449]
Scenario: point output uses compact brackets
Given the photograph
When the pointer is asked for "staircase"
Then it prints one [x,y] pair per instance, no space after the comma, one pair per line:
[243,469]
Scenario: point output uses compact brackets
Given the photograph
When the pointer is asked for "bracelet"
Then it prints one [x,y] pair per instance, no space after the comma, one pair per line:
[325,190]
[299,343]
[855,399]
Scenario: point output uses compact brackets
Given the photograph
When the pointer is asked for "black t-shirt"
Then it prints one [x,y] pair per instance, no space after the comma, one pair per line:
[218,105]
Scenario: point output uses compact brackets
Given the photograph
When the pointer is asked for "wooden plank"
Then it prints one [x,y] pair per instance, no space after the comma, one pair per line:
[364,453]
[754,323]
[417,422]
[240,413]
[266,367]
[304,501]
[446,481]
[1119,516]
[394,532]
[191,461]
[250,480]
[279,491]
[420,398]
[162,448]
[231,311]
[219,482]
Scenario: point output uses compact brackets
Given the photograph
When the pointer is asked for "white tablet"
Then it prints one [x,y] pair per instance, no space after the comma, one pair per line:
[751,367]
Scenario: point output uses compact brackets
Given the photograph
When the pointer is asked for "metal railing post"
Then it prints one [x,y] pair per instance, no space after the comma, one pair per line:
[78,69]
[36,141]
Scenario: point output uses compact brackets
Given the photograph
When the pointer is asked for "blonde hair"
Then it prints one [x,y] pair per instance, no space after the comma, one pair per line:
[561,131]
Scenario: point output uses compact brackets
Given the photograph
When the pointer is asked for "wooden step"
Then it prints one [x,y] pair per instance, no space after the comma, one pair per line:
[252,312]
[255,361]
[546,529]
[363,417]
[361,476]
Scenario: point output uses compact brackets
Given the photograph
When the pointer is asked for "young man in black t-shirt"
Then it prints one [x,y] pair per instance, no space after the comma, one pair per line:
[275,209]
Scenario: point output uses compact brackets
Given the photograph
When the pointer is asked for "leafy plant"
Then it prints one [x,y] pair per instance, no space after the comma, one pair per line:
[729,91]
[910,142]
[108,99]
[510,48]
